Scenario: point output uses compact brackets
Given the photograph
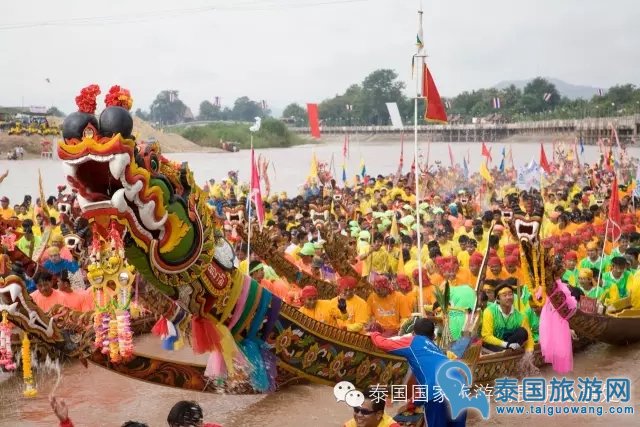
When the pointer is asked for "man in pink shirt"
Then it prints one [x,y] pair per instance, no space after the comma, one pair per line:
[78,300]
[45,297]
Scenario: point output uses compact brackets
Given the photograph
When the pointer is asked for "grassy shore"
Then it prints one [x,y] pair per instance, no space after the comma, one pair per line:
[272,134]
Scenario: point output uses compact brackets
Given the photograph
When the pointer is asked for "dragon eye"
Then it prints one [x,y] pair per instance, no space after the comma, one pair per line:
[154,164]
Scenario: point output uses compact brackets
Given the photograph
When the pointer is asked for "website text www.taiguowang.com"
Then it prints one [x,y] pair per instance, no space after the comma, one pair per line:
[551,410]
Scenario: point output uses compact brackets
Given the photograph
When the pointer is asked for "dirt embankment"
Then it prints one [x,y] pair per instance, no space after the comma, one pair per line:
[170,142]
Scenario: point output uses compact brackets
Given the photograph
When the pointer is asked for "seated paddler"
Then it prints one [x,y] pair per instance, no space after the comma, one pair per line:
[503,326]
[324,311]
[358,312]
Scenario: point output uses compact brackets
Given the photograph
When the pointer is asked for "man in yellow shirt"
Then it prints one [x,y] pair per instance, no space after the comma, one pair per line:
[6,211]
[358,313]
[321,310]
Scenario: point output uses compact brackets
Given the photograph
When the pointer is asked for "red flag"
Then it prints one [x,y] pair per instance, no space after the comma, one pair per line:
[314,122]
[544,163]
[451,157]
[256,194]
[345,146]
[486,153]
[614,219]
[435,110]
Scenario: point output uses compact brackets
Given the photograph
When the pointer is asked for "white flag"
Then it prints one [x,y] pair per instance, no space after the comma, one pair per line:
[394,113]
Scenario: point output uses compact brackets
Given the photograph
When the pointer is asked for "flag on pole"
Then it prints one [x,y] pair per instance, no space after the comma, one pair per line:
[504,154]
[496,103]
[614,135]
[581,145]
[434,110]
[256,194]
[600,92]
[314,123]
[486,153]
[447,104]
[420,35]
[313,169]
[510,157]
[349,107]
[216,101]
[544,163]
[465,168]
[363,168]
[547,97]
[345,146]
[263,104]
[608,162]
[394,114]
[344,173]
[614,217]
[451,157]
[484,172]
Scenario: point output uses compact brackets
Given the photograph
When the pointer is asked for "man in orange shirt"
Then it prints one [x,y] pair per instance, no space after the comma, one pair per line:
[495,269]
[387,306]
[45,297]
[74,299]
[512,267]
[408,291]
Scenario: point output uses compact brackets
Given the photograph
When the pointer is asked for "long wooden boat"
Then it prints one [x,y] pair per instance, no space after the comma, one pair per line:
[621,328]
[262,245]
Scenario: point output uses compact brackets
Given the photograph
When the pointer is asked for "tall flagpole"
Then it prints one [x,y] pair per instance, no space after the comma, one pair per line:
[419,56]
[249,209]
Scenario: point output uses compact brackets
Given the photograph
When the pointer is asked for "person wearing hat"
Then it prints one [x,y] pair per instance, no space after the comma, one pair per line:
[425,358]
[58,242]
[504,327]
[306,255]
[475,262]
[488,294]
[387,306]
[512,269]
[6,211]
[571,272]
[321,310]
[276,286]
[55,264]
[587,284]
[495,271]
[358,313]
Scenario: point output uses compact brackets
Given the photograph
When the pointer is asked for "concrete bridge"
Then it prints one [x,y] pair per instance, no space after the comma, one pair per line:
[590,129]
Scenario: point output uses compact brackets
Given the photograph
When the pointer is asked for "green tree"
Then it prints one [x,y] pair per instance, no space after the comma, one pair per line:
[208,111]
[167,109]
[246,110]
[53,111]
[534,95]
[379,87]
[141,114]
[295,113]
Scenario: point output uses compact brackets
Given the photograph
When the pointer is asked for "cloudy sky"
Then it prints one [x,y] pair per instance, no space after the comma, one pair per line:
[303,50]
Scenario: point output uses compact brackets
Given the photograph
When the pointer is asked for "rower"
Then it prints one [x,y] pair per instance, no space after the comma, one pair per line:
[388,307]
[324,311]
[503,326]
[614,282]
[570,275]
[357,309]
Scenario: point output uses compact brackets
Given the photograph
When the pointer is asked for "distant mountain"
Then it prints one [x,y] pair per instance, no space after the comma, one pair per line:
[566,89]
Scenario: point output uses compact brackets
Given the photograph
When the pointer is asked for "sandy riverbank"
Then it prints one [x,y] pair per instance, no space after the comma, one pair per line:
[169,142]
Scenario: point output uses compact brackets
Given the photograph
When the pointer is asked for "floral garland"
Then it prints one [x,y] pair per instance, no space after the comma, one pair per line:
[6,355]
[27,374]
[86,101]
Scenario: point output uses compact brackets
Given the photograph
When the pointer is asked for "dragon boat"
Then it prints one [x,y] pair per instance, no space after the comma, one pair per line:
[149,210]
[618,328]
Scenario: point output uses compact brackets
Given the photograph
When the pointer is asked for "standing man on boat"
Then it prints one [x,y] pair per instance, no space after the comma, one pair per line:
[425,358]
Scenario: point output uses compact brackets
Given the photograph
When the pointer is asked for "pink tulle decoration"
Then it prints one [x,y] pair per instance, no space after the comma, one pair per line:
[555,333]
[216,369]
